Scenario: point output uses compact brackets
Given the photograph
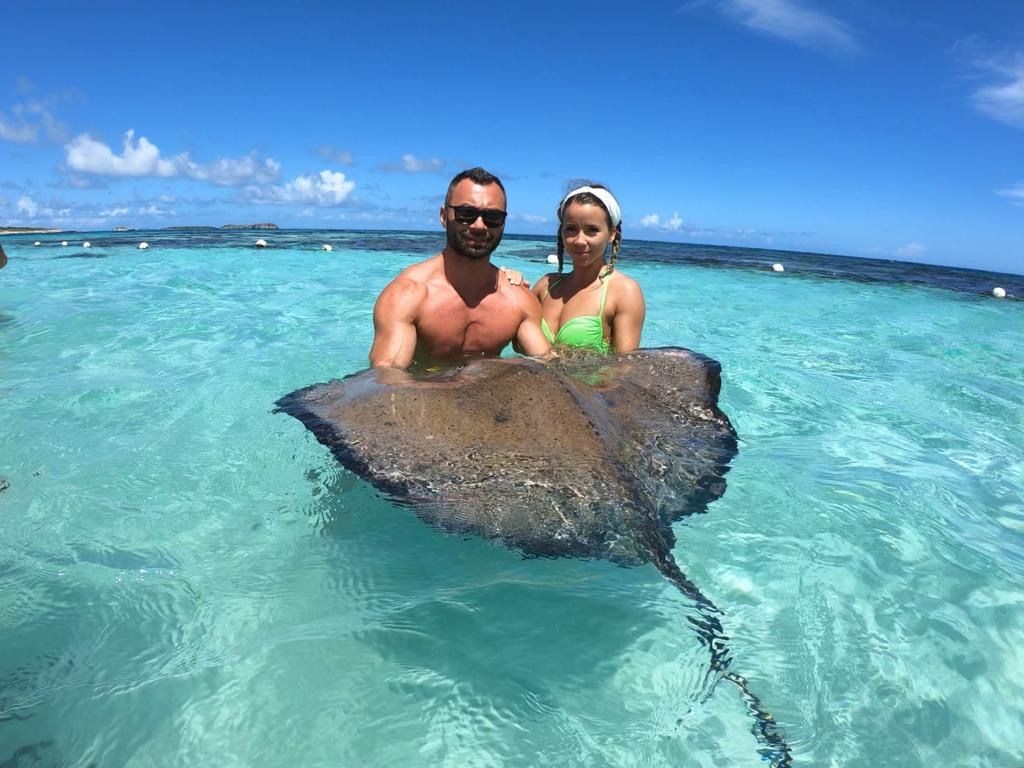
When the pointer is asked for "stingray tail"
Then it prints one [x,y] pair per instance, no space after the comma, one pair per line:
[774,749]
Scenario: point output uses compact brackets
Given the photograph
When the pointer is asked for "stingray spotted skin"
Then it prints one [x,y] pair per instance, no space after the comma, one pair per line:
[586,456]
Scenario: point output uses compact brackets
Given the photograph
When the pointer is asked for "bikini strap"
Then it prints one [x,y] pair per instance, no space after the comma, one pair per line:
[604,293]
[551,285]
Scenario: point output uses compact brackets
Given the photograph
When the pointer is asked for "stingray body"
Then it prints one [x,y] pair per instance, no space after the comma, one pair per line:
[586,456]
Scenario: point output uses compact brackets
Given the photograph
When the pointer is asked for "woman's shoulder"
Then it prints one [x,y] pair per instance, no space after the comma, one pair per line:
[623,283]
[625,294]
[546,282]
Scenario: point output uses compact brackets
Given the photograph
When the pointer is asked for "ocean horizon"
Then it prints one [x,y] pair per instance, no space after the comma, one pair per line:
[825,265]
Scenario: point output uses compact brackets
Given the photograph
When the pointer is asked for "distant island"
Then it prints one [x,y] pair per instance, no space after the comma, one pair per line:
[29,231]
[47,231]
[224,226]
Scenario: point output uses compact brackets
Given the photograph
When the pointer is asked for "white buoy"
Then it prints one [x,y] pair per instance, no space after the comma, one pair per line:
[143,246]
[776,267]
[87,244]
[63,243]
[36,243]
[552,258]
[261,243]
[999,293]
[327,247]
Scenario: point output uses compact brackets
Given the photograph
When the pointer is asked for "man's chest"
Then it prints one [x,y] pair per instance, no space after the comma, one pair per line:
[452,327]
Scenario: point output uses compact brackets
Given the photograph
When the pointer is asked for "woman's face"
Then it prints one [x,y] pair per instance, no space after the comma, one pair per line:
[585,233]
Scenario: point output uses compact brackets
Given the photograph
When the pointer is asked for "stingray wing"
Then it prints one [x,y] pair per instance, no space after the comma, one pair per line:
[665,424]
[551,459]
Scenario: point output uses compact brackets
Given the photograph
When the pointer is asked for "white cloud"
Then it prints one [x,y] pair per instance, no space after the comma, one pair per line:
[27,120]
[151,210]
[55,130]
[1004,101]
[328,188]
[76,181]
[230,172]
[530,218]
[1000,70]
[83,215]
[335,155]
[17,130]
[791,20]
[911,250]
[28,206]
[412,164]
[141,157]
[672,224]
[1015,193]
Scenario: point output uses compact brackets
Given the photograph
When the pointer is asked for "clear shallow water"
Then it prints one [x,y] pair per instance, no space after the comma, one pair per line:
[188,578]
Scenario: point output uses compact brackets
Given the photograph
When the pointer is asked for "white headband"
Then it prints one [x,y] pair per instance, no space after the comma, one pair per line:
[601,194]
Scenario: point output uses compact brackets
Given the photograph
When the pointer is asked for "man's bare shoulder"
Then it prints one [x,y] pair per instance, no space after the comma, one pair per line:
[520,296]
[411,285]
[422,271]
[401,299]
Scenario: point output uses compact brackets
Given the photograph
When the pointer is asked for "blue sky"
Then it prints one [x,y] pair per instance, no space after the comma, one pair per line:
[859,127]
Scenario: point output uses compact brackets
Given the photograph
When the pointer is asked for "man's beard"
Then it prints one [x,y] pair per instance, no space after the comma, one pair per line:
[472,248]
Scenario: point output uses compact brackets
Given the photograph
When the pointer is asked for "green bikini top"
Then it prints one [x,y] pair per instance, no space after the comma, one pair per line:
[583,332]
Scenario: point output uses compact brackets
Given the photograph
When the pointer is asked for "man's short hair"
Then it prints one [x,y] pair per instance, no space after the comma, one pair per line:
[477,175]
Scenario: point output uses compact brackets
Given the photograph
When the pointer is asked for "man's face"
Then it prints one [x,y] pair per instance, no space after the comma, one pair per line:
[473,239]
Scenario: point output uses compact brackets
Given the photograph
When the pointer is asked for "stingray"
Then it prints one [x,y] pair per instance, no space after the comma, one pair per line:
[586,456]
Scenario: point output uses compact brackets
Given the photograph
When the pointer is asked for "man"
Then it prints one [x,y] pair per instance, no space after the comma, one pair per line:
[3,258]
[457,304]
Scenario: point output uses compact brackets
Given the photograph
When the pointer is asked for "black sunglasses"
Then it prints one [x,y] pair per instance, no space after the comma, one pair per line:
[467,214]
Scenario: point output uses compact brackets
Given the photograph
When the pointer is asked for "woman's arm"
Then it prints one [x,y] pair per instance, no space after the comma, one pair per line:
[630,311]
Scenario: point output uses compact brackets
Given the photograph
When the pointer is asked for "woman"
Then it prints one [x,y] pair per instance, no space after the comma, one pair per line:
[593,307]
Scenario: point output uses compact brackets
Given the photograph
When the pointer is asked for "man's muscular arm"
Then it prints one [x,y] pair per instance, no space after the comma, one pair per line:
[394,323]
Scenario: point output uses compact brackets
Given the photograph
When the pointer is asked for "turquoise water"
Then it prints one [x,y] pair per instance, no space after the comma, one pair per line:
[187,578]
